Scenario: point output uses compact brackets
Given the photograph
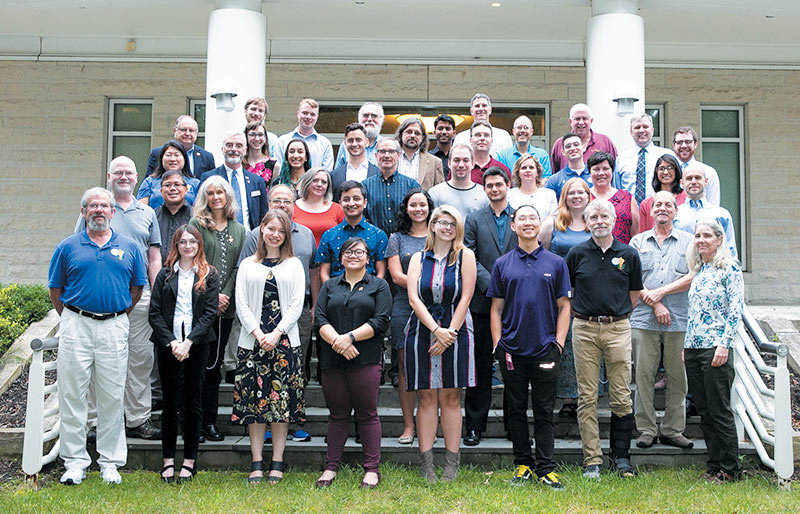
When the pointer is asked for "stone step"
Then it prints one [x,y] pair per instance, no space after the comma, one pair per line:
[234,453]
[392,423]
[388,396]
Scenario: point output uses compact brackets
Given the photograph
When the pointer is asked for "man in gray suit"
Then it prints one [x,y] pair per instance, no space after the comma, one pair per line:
[487,232]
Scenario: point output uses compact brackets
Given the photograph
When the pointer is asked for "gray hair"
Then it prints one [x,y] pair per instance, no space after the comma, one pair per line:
[641,117]
[396,142]
[277,187]
[182,117]
[201,209]
[722,257]
[308,177]
[122,158]
[598,204]
[480,95]
[372,104]
[97,191]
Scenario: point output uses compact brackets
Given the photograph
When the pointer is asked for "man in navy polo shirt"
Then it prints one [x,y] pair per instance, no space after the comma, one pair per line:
[96,277]
[353,201]
[529,319]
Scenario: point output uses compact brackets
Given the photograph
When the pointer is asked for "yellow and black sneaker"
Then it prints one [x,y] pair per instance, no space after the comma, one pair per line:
[551,481]
[522,475]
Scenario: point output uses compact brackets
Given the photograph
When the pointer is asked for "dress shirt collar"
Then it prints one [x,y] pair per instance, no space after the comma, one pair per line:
[177,268]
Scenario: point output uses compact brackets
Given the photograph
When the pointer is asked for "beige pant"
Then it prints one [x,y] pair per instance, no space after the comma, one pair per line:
[92,352]
[592,343]
[648,353]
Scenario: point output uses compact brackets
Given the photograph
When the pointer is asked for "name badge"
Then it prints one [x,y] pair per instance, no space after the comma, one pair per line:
[257,192]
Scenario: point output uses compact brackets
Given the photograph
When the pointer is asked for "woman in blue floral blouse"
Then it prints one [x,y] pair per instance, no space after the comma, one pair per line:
[716,301]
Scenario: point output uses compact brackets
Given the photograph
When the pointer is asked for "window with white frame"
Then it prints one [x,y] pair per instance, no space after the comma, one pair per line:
[197,110]
[130,129]
[722,146]
[656,111]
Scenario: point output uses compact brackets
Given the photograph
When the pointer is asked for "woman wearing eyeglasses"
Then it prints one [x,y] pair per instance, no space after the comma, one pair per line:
[667,177]
[257,159]
[439,353]
[352,315]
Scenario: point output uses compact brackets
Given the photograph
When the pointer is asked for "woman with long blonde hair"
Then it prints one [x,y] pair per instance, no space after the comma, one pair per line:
[440,348]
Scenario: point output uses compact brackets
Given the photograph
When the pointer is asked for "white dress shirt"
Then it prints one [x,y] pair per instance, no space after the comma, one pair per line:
[182,320]
[242,200]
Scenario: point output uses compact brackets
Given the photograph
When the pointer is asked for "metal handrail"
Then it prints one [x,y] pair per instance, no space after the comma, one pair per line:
[35,433]
[753,402]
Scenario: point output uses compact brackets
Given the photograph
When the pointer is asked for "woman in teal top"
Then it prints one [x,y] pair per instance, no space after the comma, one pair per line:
[716,302]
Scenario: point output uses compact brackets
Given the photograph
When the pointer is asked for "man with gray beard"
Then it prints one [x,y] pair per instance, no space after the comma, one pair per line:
[96,278]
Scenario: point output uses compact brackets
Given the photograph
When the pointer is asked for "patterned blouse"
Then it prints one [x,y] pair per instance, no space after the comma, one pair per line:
[716,301]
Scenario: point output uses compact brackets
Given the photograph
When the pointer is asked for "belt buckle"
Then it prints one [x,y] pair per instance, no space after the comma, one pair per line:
[605,319]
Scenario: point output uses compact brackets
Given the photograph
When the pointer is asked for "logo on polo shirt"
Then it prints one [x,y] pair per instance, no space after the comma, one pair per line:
[619,262]
[119,254]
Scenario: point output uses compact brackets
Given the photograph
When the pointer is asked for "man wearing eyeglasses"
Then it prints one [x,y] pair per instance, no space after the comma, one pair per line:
[522,132]
[684,142]
[385,191]
[185,131]
[173,212]
[370,116]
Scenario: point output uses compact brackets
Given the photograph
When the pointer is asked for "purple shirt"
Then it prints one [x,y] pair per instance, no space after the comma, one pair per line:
[597,143]
[530,283]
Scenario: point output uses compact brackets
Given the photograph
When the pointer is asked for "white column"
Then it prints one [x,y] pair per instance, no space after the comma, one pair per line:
[614,61]
[237,54]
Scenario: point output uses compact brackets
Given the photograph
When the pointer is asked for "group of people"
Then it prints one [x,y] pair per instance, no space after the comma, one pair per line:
[588,266]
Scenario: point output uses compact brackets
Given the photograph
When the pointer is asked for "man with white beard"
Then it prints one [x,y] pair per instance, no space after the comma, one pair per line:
[370,116]
[93,336]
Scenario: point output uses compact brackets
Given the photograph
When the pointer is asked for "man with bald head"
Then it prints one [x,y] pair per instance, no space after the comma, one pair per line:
[185,131]
[580,123]
[522,131]
[659,320]
[697,206]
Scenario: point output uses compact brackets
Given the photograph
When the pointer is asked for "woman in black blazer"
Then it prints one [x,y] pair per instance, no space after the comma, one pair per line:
[183,308]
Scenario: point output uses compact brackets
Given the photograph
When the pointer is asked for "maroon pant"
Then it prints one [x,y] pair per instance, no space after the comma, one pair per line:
[348,389]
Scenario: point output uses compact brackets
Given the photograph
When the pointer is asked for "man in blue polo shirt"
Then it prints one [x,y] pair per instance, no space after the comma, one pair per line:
[96,277]
[576,167]
[529,320]
[353,201]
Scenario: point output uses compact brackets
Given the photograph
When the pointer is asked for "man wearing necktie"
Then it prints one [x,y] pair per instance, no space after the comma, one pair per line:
[635,167]
[185,131]
[249,189]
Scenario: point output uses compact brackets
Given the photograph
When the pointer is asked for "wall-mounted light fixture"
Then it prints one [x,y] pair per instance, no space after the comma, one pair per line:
[223,92]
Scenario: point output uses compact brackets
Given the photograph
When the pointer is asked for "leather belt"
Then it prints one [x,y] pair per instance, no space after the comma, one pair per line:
[93,315]
[601,319]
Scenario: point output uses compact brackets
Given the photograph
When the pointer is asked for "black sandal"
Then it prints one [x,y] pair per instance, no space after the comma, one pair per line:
[168,480]
[192,470]
[275,466]
[256,466]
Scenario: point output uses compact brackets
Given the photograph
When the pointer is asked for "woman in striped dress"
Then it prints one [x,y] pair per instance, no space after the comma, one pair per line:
[440,353]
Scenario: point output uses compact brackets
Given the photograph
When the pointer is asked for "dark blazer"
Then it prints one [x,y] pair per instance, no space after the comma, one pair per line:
[480,236]
[203,160]
[162,308]
[256,190]
[339,175]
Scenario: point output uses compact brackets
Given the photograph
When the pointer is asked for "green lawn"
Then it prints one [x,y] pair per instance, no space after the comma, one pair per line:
[402,490]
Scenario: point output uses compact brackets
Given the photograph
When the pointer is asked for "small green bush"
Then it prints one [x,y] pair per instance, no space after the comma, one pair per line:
[20,305]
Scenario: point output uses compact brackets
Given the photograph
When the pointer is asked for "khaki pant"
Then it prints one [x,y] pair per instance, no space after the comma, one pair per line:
[592,343]
[92,352]
[648,353]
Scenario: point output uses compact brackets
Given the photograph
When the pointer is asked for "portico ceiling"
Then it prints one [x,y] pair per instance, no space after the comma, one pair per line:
[684,33]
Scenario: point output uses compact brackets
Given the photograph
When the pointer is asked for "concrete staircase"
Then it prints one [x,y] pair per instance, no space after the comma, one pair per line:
[493,452]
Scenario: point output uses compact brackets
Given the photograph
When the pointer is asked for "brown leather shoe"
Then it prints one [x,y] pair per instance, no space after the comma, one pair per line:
[680,440]
[645,441]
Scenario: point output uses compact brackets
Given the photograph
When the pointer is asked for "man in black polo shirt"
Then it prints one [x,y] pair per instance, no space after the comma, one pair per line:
[529,318]
[173,212]
[606,278]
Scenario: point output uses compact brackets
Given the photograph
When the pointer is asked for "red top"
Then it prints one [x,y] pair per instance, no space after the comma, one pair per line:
[477,171]
[319,222]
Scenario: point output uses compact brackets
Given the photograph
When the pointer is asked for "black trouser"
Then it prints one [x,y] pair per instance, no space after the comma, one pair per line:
[542,375]
[216,354]
[478,399]
[711,389]
[180,382]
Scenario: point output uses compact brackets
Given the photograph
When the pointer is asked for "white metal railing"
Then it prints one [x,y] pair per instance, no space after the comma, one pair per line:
[36,431]
[763,415]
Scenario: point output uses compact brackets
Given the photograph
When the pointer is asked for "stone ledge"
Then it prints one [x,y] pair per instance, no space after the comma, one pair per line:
[19,354]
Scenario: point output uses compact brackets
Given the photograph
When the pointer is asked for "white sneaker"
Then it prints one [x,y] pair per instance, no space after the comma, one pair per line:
[110,476]
[73,476]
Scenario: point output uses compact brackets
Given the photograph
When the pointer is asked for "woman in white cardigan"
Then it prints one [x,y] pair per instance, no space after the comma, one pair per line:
[268,386]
